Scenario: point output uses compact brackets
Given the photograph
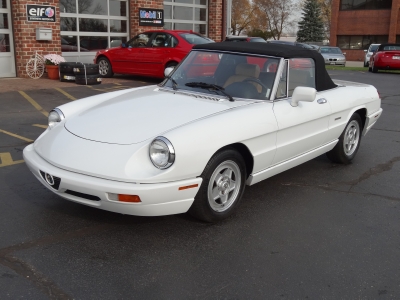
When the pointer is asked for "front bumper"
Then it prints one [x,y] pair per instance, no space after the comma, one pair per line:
[157,199]
[335,63]
[371,120]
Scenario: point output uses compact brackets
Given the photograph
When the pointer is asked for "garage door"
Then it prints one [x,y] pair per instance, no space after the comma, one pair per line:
[7,60]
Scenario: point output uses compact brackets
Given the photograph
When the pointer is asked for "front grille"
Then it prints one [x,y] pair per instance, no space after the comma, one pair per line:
[82,195]
[333,59]
[57,180]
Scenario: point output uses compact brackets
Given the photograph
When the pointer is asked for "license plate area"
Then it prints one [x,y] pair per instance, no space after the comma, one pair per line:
[396,57]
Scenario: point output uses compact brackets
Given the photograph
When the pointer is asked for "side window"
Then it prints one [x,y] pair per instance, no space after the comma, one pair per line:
[301,73]
[160,40]
[140,40]
[281,92]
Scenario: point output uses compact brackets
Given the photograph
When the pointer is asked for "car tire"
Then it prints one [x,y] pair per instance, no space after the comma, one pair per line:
[369,69]
[66,77]
[349,142]
[68,67]
[225,177]
[88,69]
[374,69]
[105,67]
[66,71]
[88,79]
[365,64]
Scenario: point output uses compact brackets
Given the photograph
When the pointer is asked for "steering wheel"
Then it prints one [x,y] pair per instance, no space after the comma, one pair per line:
[264,87]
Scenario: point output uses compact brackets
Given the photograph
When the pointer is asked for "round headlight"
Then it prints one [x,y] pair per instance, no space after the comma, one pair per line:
[162,153]
[55,117]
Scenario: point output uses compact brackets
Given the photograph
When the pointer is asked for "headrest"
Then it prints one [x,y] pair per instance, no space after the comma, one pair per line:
[248,70]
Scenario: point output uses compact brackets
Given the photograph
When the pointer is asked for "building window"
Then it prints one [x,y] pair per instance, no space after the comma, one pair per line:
[359,41]
[365,4]
[186,15]
[397,39]
[89,26]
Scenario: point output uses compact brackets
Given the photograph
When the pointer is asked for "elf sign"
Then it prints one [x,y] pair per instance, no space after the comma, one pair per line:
[40,13]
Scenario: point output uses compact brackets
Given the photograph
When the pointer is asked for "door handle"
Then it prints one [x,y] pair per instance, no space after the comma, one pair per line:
[322,101]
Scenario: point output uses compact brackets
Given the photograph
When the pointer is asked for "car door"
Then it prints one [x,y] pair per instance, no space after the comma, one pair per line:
[157,54]
[304,127]
[128,58]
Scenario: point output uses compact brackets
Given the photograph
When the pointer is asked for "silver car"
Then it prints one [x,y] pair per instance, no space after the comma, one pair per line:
[333,55]
[368,53]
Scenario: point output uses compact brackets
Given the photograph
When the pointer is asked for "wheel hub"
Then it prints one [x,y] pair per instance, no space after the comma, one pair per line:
[224,185]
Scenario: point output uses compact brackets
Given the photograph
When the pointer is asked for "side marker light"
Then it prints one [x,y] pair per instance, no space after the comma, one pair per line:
[188,187]
[129,198]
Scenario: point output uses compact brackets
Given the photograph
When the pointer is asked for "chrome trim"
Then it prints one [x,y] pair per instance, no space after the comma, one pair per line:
[59,112]
[277,79]
[171,158]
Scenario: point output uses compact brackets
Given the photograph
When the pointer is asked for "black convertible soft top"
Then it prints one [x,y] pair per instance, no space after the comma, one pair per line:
[382,46]
[323,80]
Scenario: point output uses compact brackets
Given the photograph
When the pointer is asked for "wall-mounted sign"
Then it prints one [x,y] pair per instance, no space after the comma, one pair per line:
[40,13]
[151,17]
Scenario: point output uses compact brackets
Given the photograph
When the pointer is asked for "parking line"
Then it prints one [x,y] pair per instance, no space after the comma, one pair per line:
[34,103]
[39,125]
[16,136]
[6,160]
[65,94]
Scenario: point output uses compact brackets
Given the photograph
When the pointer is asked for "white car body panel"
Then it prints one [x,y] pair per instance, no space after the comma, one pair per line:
[102,145]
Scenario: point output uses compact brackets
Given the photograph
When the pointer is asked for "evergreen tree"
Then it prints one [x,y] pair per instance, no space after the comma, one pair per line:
[311,27]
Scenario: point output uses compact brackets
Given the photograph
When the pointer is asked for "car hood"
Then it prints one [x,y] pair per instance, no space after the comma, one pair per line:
[136,116]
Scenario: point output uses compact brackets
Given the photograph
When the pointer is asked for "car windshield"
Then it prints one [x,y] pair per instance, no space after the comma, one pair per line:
[331,50]
[226,75]
[390,48]
[195,39]
[257,40]
[373,48]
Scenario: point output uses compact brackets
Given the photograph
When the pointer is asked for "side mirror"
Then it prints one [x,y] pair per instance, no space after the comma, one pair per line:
[302,93]
[123,45]
[344,53]
[168,71]
[365,51]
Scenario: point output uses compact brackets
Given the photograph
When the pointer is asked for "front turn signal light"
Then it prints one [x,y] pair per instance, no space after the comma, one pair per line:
[129,198]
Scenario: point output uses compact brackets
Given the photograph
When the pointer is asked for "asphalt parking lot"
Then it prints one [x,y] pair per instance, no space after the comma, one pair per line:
[317,231]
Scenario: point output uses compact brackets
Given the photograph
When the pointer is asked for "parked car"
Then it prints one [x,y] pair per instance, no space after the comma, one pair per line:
[149,53]
[368,53]
[194,141]
[252,39]
[302,45]
[333,55]
[386,57]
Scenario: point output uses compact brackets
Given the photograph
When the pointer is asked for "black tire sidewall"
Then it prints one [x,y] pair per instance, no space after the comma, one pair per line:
[201,208]
[89,80]
[91,69]
[337,154]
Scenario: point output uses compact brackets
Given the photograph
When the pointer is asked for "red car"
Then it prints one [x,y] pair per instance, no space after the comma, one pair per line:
[149,53]
[386,57]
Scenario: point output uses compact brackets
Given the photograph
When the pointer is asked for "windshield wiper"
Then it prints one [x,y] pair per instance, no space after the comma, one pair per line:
[204,85]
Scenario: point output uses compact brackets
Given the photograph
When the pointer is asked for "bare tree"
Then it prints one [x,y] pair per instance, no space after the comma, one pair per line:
[326,6]
[242,15]
[278,14]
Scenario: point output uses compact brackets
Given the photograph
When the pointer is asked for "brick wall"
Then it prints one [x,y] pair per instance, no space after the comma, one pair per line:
[25,34]
[134,6]
[364,22]
[215,19]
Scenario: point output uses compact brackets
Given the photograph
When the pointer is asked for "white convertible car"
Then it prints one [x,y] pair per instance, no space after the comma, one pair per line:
[229,115]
